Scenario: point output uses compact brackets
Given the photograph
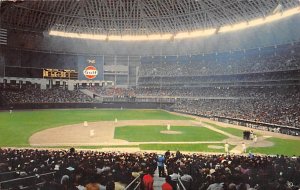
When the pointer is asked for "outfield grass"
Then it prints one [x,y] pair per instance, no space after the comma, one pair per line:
[152,133]
[16,128]
[281,146]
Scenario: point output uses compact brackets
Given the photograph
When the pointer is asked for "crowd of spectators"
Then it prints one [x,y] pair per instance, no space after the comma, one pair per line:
[32,94]
[234,172]
[278,106]
[186,92]
[75,169]
[86,170]
[157,92]
[112,91]
[204,92]
[214,66]
[262,78]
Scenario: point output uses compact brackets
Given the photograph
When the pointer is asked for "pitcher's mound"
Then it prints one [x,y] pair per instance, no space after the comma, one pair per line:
[171,132]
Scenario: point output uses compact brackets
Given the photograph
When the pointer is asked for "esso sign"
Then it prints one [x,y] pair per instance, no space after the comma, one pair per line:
[90,72]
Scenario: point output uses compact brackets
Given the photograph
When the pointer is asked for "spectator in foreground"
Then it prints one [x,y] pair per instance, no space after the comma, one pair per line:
[92,186]
[167,185]
[186,179]
[148,180]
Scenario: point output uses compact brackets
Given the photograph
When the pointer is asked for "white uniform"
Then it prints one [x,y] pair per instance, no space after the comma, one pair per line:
[255,139]
[226,146]
[85,124]
[92,133]
[244,148]
[168,127]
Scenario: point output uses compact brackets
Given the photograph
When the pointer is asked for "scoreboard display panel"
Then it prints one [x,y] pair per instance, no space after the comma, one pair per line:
[60,74]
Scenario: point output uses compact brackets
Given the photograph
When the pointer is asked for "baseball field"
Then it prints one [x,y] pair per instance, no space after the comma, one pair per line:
[134,130]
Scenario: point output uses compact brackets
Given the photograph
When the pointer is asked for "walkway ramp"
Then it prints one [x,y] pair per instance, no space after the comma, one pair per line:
[91,94]
[158,181]
[87,92]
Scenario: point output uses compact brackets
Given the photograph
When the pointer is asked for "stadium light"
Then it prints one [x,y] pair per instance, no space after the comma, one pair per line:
[260,21]
[181,35]
[77,35]
[199,33]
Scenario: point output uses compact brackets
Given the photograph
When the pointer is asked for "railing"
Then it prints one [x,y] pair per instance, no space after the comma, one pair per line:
[37,176]
[180,185]
[4,173]
[136,182]
[7,175]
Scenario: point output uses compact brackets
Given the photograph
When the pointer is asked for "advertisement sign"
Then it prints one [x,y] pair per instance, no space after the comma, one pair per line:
[90,67]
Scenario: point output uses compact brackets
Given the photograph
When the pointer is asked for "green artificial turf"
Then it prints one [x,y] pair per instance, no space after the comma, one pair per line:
[16,128]
[152,134]
[281,146]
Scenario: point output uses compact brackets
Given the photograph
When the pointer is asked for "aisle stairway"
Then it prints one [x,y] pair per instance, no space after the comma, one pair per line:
[91,94]
[87,92]
[158,181]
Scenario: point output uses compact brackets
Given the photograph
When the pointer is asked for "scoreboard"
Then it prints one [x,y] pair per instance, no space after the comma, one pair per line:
[60,74]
